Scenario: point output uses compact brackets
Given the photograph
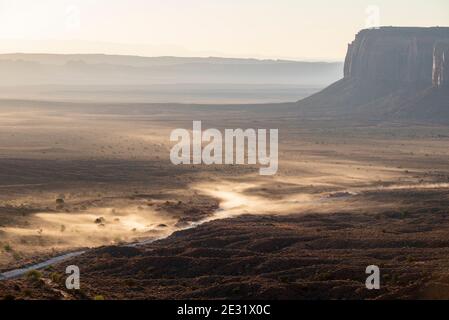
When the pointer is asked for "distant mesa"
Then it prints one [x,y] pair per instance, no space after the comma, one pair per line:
[398,55]
[390,73]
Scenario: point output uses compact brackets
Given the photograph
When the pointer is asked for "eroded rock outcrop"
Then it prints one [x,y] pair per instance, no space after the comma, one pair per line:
[440,72]
[390,73]
[400,55]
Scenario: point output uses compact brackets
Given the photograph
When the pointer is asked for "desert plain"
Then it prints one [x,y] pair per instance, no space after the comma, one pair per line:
[97,178]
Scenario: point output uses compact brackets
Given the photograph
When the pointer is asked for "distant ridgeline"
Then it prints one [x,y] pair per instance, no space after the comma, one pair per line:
[106,70]
[390,73]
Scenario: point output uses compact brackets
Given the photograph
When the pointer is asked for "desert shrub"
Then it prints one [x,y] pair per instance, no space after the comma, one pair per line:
[34,275]
[236,290]
[60,199]
[55,277]
[49,268]
[100,220]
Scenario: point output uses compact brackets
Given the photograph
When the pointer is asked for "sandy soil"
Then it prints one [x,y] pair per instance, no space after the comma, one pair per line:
[346,195]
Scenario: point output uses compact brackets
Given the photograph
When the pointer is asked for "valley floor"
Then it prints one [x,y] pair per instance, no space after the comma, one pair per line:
[347,195]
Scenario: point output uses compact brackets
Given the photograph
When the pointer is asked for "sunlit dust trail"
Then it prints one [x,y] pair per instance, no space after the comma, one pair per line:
[140,224]
[234,201]
[98,226]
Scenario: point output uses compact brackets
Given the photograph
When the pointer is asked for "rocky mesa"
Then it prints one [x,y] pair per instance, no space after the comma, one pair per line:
[390,73]
[399,55]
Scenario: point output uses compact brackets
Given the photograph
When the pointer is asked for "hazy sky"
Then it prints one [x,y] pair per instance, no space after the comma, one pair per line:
[314,30]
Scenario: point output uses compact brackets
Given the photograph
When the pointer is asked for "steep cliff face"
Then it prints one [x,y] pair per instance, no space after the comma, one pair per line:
[440,72]
[397,55]
[389,73]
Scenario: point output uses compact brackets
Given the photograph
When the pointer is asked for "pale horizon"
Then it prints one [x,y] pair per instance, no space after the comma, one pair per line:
[264,29]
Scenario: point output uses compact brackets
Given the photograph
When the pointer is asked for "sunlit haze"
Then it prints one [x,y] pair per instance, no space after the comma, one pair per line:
[311,30]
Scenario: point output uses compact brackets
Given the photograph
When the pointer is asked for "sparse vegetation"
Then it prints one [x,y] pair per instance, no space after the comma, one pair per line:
[60,200]
[34,275]
[16,256]
[100,220]
[320,251]
[55,277]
